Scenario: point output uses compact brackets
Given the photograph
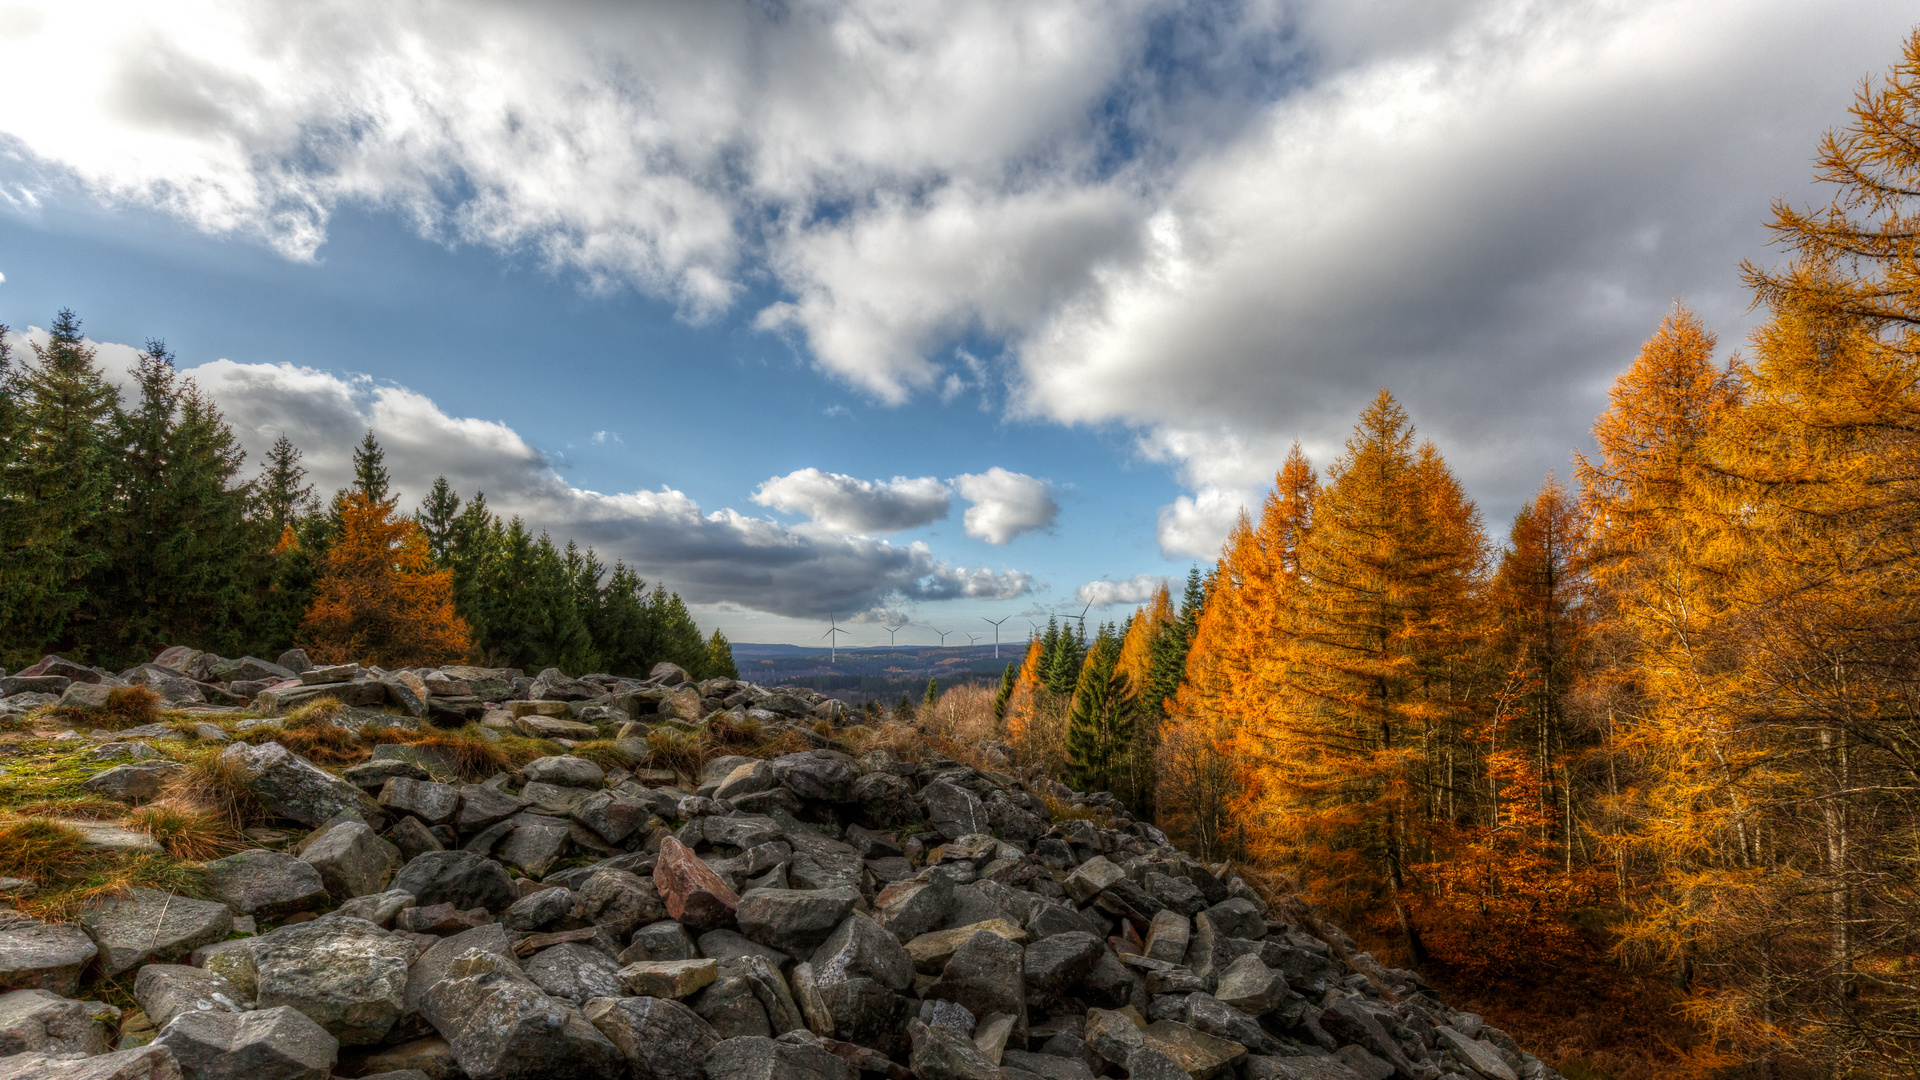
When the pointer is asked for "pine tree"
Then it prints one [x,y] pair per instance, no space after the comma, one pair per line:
[1007,680]
[379,598]
[1100,724]
[932,695]
[719,663]
[370,469]
[439,515]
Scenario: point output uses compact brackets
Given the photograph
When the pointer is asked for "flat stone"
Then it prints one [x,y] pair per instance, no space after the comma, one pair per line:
[534,848]
[1482,1057]
[266,883]
[1298,1068]
[912,908]
[136,782]
[860,948]
[660,1038]
[1055,964]
[565,770]
[755,1058]
[42,956]
[554,727]
[432,965]
[941,1053]
[103,834]
[538,910]
[348,975]
[987,975]
[1092,877]
[42,1021]
[379,908]
[954,811]
[931,952]
[553,798]
[433,803]
[270,1044]
[575,973]
[668,978]
[612,815]
[481,806]
[150,1062]
[1251,987]
[1200,1055]
[619,900]
[795,921]
[143,926]
[165,991]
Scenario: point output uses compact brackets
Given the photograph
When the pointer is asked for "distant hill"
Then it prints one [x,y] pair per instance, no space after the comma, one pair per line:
[879,673]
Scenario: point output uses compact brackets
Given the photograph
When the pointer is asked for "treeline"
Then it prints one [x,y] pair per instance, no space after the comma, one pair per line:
[1683,696]
[126,525]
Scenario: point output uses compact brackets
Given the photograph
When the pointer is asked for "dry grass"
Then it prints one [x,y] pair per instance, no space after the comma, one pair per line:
[605,753]
[963,714]
[41,851]
[187,834]
[474,755]
[127,706]
[74,807]
[106,874]
[729,730]
[685,752]
[215,786]
[896,737]
[1061,810]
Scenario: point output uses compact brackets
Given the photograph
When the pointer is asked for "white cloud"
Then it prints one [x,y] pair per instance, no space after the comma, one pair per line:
[1005,504]
[607,438]
[1137,589]
[707,556]
[847,504]
[1196,525]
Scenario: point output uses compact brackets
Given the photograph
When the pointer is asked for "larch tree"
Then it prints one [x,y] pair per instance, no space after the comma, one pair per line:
[379,598]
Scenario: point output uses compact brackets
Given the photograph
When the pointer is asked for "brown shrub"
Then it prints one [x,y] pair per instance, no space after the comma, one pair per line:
[186,833]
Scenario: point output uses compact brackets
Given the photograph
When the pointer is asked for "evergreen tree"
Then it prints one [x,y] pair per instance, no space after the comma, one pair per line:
[903,709]
[622,626]
[933,693]
[1007,680]
[720,658]
[59,486]
[282,491]
[1100,723]
[678,640]
[438,516]
[370,469]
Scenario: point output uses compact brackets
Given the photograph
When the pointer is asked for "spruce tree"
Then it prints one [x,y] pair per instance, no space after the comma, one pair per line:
[1007,679]
[282,491]
[933,693]
[370,469]
[720,658]
[621,628]
[1100,723]
[438,515]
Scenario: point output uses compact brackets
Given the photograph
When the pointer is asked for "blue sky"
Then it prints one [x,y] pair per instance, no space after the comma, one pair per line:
[698,283]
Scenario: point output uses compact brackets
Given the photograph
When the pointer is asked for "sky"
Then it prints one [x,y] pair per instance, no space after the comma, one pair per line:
[896,312]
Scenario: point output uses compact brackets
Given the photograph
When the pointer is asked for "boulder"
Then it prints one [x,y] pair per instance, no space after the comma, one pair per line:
[268,884]
[986,975]
[860,948]
[693,893]
[538,910]
[44,1022]
[821,775]
[41,956]
[433,803]
[954,811]
[165,991]
[271,1044]
[1055,964]
[575,973]
[534,726]
[912,908]
[941,1053]
[1092,877]
[661,1039]
[668,978]
[135,782]
[619,900]
[1251,987]
[150,1062]
[931,952]
[501,1026]
[432,965]
[795,921]
[347,975]
[143,926]
[612,815]
[1479,1056]
[566,771]
[755,1058]
[292,787]
[553,685]
[534,845]
[352,860]
[461,878]
[379,908]
[481,806]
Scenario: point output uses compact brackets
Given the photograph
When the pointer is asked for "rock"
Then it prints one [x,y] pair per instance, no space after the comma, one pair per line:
[1206,1013]
[1237,917]
[668,978]
[912,908]
[441,920]
[1298,1068]
[1112,1035]
[85,695]
[1481,1057]
[268,884]
[683,704]
[42,1021]
[730,1007]
[40,956]
[143,926]
[931,952]
[1362,1064]
[618,900]
[538,910]
[1054,964]
[380,908]
[795,921]
[1351,1022]
[1195,1052]
[987,975]
[859,947]
[432,966]
[726,945]
[290,786]
[136,782]
[352,860]
[954,811]
[886,801]
[1167,936]
[165,991]
[347,975]
[149,1062]
[534,846]
[661,1039]
[992,1034]
[501,1026]
[373,775]
[432,803]
[1047,1066]
[754,1058]
[566,771]
[612,815]
[249,668]
[553,685]
[413,839]
[460,878]
[941,1053]
[1251,987]
[575,973]
[481,806]
[693,893]
[553,727]
[821,775]
[294,660]
[271,1044]
[1093,876]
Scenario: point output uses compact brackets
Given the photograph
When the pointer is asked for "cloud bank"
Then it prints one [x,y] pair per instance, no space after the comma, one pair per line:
[1005,504]
[1221,226]
[847,504]
[1135,590]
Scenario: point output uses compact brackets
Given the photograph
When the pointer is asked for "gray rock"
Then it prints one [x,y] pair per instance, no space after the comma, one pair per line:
[754,1058]
[1092,878]
[730,1007]
[295,660]
[148,1062]
[1047,1066]
[352,860]
[1481,1057]
[661,1040]
[136,782]
[142,926]
[566,771]
[433,803]
[1238,917]
[612,815]
[1054,964]
[538,910]
[575,972]
[534,847]
[911,908]
[1298,1068]
[1206,1013]
[663,940]
[795,921]
[461,878]
[1352,1022]
[165,991]
[268,884]
[414,839]
[1251,987]
[290,786]
[987,975]
[858,948]
[271,1044]
[1365,1065]
[619,900]
[553,685]
[941,1053]
[954,811]
[38,1020]
[373,775]
[776,998]
[820,775]
[432,966]
[501,1026]
[40,956]
[347,975]
[379,908]
[886,801]
[552,798]
[249,669]
[726,945]
[1168,935]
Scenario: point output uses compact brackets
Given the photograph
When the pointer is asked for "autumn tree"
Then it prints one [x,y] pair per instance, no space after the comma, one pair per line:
[379,598]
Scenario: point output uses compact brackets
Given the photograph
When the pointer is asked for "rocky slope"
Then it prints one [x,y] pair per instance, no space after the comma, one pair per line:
[811,916]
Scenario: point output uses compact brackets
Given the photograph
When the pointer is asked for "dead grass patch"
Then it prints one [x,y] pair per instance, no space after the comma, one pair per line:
[473,754]
[605,753]
[685,752]
[216,786]
[74,807]
[41,851]
[188,834]
[127,706]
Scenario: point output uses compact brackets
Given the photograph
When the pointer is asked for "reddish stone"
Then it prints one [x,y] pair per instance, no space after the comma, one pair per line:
[694,894]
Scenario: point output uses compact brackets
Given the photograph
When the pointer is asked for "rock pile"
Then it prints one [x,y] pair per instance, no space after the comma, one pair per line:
[814,916]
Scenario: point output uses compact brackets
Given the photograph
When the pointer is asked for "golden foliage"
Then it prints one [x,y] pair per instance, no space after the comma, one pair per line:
[379,598]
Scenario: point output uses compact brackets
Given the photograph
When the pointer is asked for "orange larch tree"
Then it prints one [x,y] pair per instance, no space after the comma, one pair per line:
[380,599]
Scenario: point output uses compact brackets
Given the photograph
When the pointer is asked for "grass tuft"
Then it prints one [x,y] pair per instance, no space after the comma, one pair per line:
[216,786]
[684,752]
[315,737]
[74,807]
[42,851]
[187,834]
[731,731]
[474,755]
[605,753]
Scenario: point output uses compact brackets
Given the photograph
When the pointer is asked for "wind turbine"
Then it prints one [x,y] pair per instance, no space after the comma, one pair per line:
[892,630]
[943,636]
[833,652]
[972,639]
[996,633]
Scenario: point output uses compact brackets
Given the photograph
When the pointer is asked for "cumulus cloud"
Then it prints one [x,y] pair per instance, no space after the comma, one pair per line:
[848,504]
[1483,205]
[1005,504]
[707,556]
[1137,589]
